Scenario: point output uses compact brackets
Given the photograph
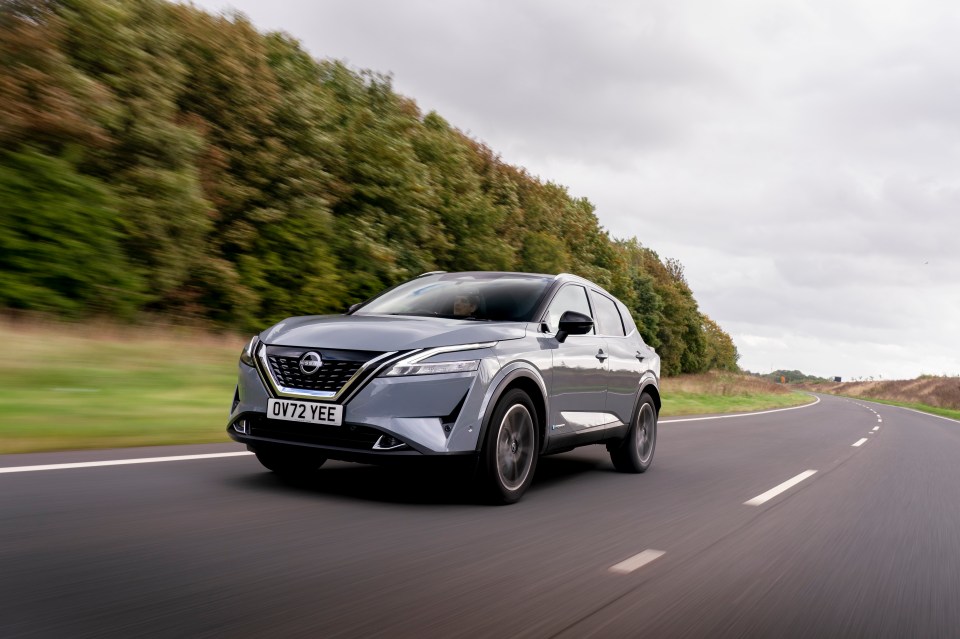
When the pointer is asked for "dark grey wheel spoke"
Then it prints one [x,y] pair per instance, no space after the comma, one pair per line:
[515,442]
[645,432]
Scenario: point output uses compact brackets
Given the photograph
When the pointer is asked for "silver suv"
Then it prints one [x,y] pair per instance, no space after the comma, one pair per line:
[497,367]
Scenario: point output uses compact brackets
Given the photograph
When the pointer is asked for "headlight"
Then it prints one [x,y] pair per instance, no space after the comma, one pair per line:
[433,368]
[414,365]
[249,351]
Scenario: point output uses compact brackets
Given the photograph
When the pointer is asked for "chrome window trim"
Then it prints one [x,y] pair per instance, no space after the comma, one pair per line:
[328,396]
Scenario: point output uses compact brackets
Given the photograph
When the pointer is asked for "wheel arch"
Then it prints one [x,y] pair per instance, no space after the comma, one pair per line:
[527,380]
[648,384]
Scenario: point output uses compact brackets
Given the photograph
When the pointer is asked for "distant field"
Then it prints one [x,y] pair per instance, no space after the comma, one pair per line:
[938,395]
[931,390]
[66,387]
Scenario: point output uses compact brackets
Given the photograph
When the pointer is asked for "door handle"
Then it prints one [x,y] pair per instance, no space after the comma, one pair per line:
[601,355]
[639,356]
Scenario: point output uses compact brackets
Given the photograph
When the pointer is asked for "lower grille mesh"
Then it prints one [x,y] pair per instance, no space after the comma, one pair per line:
[346,436]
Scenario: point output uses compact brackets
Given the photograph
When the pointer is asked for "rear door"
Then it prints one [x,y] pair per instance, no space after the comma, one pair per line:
[624,363]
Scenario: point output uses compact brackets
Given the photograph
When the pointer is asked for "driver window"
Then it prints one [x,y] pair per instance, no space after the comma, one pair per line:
[570,298]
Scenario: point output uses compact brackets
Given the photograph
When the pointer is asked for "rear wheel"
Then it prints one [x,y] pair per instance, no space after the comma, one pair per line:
[635,452]
[290,463]
[510,450]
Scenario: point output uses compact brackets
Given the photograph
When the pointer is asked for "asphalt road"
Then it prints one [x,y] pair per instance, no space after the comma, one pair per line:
[867,546]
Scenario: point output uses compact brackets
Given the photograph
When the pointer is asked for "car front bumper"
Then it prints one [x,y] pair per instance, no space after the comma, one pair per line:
[429,415]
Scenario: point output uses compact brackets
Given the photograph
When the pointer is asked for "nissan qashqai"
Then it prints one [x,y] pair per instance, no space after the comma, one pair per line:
[498,367]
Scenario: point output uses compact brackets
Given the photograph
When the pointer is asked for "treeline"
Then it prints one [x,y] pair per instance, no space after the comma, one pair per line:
[159,159]
[791,377]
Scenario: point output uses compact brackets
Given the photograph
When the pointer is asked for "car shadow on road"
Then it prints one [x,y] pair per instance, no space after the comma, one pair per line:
[425,484]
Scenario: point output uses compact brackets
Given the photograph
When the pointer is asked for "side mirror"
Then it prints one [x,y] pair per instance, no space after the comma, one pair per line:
[353,307]
[573,323]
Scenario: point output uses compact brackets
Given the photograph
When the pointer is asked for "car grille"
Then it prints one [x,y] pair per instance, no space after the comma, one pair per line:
[338,368]
[347,436]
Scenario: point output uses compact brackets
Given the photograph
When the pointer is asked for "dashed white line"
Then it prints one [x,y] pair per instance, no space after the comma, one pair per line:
[860,442]
[876,428]
[880,421]
[117,462]
[639,560]
[776,490]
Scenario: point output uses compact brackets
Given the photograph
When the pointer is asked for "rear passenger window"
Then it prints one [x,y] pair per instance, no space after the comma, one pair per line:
[608,316]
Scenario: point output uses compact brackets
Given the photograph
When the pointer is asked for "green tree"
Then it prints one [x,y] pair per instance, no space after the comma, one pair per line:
[131,50]
[59,240]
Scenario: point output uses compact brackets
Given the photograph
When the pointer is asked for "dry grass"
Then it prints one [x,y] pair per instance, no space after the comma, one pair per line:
[721,392]
[722,383]
[938,392]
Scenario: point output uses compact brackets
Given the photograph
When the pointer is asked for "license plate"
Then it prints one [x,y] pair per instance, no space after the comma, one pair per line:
[307,412]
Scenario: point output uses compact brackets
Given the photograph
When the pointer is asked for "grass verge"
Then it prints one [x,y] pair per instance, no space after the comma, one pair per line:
[72,387]
[719,392]
[676,404]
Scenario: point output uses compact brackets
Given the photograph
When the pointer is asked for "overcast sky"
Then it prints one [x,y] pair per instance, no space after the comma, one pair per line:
[801,159]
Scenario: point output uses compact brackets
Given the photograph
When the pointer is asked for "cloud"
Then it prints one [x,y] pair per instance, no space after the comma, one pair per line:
[799,157]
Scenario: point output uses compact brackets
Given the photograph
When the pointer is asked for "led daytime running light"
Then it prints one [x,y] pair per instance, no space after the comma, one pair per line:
[434,368]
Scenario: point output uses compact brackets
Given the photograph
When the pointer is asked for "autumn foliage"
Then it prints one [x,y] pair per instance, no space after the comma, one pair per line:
[157,158]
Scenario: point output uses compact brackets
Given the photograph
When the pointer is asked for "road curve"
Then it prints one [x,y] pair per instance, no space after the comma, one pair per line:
[841,519]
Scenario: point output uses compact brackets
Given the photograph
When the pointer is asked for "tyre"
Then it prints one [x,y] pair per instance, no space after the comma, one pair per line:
[293,464]
[508,458]
[635,452]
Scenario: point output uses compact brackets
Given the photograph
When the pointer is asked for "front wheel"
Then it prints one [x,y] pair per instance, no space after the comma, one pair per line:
[635,453]
[510,450]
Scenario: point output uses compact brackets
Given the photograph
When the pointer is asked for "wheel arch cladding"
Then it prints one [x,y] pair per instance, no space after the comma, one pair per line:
[529,386]
[651,390]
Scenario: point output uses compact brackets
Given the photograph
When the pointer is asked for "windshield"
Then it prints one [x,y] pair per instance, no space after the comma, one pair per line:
[506,297]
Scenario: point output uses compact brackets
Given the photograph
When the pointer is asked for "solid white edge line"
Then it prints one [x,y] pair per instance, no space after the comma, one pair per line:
[776,490]
[859,442]
[920,412]
[637,561]
[117,462]
[762,412]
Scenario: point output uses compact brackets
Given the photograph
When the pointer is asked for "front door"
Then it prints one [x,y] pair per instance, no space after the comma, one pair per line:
[579,386]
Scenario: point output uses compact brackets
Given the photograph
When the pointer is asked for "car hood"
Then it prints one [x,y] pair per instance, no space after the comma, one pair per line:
[386,332]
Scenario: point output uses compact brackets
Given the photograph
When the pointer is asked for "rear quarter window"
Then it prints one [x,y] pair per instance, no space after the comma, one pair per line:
[608,316]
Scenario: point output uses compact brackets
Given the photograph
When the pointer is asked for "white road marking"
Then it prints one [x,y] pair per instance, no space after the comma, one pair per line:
[116,462]
[776,490]
[876,428]
[762,412]
[637,561]
[920,412]
[860,442]
[879,420]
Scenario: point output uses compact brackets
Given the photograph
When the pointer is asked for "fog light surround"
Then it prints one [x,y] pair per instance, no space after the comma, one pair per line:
[388,442]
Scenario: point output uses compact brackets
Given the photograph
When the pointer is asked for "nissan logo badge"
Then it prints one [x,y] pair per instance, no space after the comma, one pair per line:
[310,363]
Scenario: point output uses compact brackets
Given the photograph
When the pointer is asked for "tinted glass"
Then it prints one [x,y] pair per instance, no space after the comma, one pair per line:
[570,298]
[468,296]
[608,316]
